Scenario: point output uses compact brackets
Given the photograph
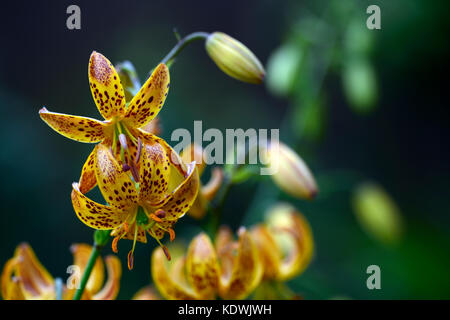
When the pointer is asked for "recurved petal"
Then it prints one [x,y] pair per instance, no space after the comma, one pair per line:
[34,280]
[77,128]
[9,283]
[166,285]
[268,251]
[183,196]
[106,87]
[246,273]
[87,178]
[154,173]
[202,267]
[174,157]
[96,215]
[81,253]
[300,253]
[146,105]
[111,288]
[116,186]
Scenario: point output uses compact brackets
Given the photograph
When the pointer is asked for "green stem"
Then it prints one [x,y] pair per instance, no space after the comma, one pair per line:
[216,207]
[87,272]
[182,44]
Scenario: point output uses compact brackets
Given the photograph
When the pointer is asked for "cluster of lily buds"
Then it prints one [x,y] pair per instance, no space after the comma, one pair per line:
[234,58]
[277,250]
[207,192]
[291,174]
[25,278]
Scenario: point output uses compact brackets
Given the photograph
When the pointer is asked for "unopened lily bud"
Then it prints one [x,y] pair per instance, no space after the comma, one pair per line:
[378,213]
[289,172]
[234,58]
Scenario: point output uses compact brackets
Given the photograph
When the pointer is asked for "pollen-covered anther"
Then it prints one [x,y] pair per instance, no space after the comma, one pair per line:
[130,260]
[114,244]
[155,217]
[160,213]
[171,234]
[166,252]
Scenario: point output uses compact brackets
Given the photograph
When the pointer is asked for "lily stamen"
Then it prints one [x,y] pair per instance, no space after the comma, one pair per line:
[155,217]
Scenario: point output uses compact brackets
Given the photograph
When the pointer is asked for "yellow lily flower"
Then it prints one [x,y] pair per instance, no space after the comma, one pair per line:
[285,243]
[123,124]
[230,269]
[206,193]
[24,277]
[146,293]
[153,207]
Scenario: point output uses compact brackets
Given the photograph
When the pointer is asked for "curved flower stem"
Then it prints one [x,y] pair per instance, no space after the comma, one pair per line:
[87,272]
[182,44]
[101,238]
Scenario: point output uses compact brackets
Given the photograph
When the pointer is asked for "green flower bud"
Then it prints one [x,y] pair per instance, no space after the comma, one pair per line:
[233,58]
[377,213]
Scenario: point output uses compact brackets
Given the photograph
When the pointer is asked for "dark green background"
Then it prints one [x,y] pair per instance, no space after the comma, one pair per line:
[403,144]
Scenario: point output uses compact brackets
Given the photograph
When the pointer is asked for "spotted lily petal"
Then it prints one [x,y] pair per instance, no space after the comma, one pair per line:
[77,128]
[166,285]
[154,173]
[81,253]
[146,104]
[87,178]
[106,87]
[35,281]
[111,288]
[129,233]
[96,215]
[116,186]
[246,272]
[202,266]
[173,156]
[183,197]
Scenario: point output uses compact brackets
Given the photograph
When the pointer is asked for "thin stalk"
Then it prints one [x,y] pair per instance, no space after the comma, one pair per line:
[87,272]
[182,44]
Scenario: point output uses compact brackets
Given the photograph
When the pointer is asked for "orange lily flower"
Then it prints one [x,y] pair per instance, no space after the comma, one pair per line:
[230,269]
[124,123]
[153,205]
[285,243]
[24,277]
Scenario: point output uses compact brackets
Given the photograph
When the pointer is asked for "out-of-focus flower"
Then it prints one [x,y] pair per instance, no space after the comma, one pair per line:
[206,192]
[155,208]
[377,213]
[234,58]
[230,269]
[291,174]
[285,243]
[147,293]
[122,128]
[24,277]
